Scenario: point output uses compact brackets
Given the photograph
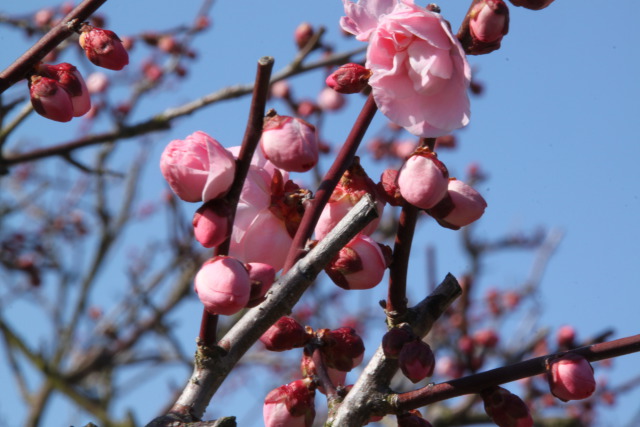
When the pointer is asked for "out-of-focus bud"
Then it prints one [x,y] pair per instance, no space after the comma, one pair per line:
[71,80]
[359,265]
[395,339]
[197,168]
[103,48]
[330,100]
[43,17]
[461,206]
[571,377]
[211,223]
[152,71]
[402,149]
[487,338]
[284,335]
[423,179]
[505,408]
[353,185]
[169,44]
[343,349]
[532,4]
[49,99]
[280,89]
[308,369]
[290,143]
[566,337]
[486,22]
[416,360]
[223,285]
[303,34]
[97,82]
[466,345]
[350,78]
[262,277]
[446,141]
[306,107]
[290,405]
[412,419]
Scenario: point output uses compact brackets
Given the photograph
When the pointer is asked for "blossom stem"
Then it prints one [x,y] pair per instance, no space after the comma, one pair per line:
[66,28]
[475,383]
[329,182]
[397,292]
[253,131]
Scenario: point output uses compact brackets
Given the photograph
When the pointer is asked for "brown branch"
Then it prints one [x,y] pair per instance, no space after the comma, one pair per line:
[66,28]
[475,383]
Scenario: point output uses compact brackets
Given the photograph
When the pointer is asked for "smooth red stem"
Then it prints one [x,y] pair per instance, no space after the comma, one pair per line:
[329,182]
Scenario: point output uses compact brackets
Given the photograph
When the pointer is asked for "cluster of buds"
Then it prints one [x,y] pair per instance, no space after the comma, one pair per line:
[415,356]
[424,182]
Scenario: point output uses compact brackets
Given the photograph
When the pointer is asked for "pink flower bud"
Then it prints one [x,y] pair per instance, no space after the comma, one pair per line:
[353,185]
[389,189]
[303,34]
[290,143]
[532,4]
[211,223]
[97,82]
[280,89]
[489,21]
[350,78]
[306,108]
[571,377]
[330,100]
[462,206]
[395,339]
[423,179]
[308,369]
[412,419]
[487,338]
[285,334]
[359,265]
[103,48]
[71,80]
[506,409]
[343,349]
[197,168]
[416,360]
[50,100]
[43,17]
[223,285]
[566,337]
[262,277]
[290,405]
[466,345]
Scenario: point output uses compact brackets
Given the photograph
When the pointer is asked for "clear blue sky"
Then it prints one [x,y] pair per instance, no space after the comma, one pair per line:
[556,132]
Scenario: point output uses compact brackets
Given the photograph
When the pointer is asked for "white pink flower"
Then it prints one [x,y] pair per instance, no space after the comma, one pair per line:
[420,72]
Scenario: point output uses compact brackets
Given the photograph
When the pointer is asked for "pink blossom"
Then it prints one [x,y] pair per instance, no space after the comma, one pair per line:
[50,99]
[290,405]
[223,285]
[571,377]
[461,206]
[420,73]
[197,168]
[423,180]
[290,143]
[103,48]
[359,265]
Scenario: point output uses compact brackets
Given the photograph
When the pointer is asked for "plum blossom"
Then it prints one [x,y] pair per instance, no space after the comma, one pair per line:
[571,378]
[420,73]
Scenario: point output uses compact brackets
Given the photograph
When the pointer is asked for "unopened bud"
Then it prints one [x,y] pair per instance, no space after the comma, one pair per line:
[285,334]
[103,48]
[50,99]
[532,4]
[211,223]
[330,100]
[262,277]
[290,143]
[566,337]
[223,285]
[461,206]
[359,265]
[290,405]
[423,179]
[303,34]
[486,22]
[571,377]
[412,419]
[343,349]
[416,360]
[350,78]
[505,408]
[395,339]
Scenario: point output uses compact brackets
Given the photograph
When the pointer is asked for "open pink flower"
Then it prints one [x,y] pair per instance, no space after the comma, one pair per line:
[420,73]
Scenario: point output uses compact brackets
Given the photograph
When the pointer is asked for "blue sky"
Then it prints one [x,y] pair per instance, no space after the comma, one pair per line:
[555,131]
